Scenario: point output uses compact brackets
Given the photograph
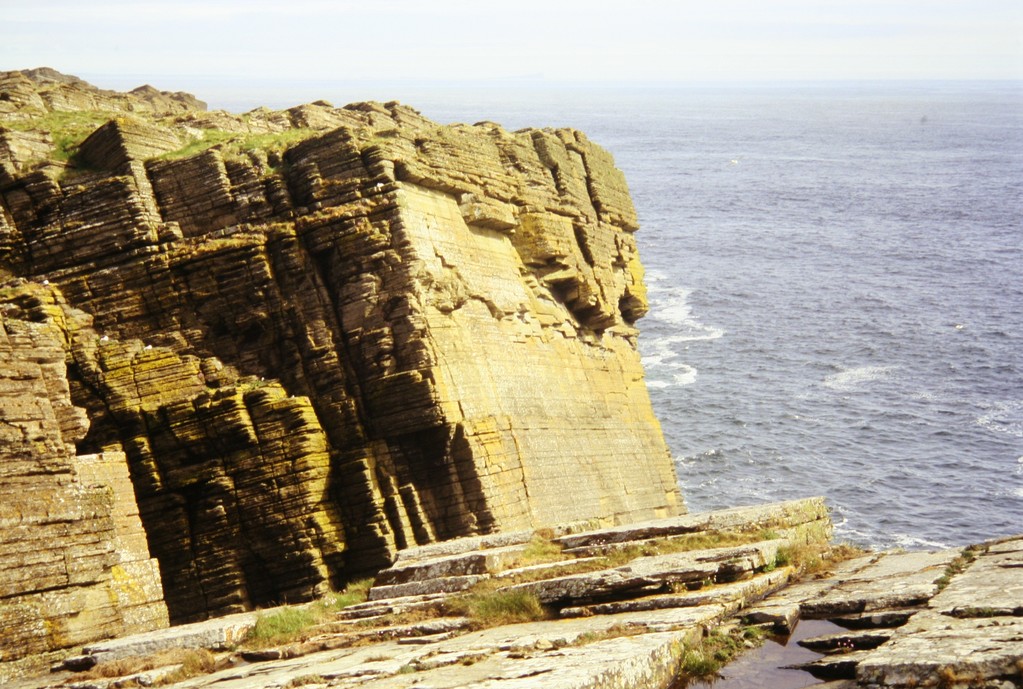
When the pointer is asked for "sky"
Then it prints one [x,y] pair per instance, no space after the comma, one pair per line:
[185,43]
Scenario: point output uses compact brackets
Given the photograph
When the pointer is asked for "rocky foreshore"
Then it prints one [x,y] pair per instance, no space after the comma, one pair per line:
[636,607]
[254,359]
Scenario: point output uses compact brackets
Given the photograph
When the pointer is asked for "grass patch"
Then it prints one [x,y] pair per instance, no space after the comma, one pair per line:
[67,129]
[286,624]
[233,145]
[499,608]
[957,566]
[356,592]
[540,550]
[282,625]
[715,650]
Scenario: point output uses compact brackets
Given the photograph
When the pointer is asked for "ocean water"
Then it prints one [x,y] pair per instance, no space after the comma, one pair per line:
[836,287]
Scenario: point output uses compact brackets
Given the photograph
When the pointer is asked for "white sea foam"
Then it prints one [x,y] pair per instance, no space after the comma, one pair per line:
[851,378]
[671,305]
[1004,417]
[914,543]
[686,377]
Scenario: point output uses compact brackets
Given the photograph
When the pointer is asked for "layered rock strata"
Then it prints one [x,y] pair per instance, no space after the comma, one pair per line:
[337,332]
[74,562]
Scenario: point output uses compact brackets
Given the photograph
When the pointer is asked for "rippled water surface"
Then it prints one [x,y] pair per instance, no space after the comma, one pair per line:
[837,300]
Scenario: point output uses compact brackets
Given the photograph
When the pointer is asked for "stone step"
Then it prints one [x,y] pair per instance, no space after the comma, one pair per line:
[746,519]
[894,580]
[460,564]
[645,574]
[732,596]
[878,619]
[216,634]
[459,546]
[783,617]
[453,584]
[847,641]
[389,606]
[548,567]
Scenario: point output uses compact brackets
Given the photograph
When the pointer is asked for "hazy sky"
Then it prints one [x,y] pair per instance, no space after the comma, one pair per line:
[554,41]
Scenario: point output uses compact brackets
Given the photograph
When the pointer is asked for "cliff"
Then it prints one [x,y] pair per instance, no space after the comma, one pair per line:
[312,338]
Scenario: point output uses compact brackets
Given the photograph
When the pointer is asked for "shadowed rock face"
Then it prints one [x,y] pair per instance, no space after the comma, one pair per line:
[339,333]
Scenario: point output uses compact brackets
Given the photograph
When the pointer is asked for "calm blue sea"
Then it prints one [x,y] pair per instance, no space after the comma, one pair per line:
[836,279]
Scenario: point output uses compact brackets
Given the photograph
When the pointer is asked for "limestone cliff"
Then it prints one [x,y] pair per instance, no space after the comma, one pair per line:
[322,334]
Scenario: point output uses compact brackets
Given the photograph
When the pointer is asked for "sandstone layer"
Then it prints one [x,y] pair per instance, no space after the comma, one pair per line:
[74,562]
[322,335]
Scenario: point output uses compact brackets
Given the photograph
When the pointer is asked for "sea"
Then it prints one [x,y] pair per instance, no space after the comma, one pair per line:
[836,288]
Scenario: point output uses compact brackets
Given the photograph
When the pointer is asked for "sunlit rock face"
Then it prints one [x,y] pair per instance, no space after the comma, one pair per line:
[335,333]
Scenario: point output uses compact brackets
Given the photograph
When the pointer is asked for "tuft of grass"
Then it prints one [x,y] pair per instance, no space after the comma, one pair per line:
[500,607]
[281,625]
[540,550]
[356,592]
[715,650]
[957,566]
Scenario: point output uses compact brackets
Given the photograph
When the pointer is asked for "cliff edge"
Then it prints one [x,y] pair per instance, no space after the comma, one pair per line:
[313,337]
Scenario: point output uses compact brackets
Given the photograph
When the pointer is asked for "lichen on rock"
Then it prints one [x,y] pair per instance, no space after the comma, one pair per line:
[333,333]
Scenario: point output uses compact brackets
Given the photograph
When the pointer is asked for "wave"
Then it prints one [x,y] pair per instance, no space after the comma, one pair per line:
[670,305]
[686,376]
[885,540]
[850,378]
[1004,417]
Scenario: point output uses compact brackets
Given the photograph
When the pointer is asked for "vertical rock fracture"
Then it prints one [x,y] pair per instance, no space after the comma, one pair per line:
[312,337]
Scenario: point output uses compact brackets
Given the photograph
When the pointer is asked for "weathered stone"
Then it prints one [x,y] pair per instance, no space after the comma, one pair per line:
[732,596]
[365,335]
[932,644]
[74,565]
[991,586]
[972,629]
[838,666]
[891,581]
[864,639]
[217,634]
[783,617]
[420,588]
[754,518]
[655,572]
[880,619]
[487,561]
[122,140]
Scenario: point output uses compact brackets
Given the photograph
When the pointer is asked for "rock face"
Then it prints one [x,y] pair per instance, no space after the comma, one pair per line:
[335,334]
[74,563]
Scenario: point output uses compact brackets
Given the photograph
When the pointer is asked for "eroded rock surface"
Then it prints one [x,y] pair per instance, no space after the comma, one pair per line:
[322,335]
[74,562]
